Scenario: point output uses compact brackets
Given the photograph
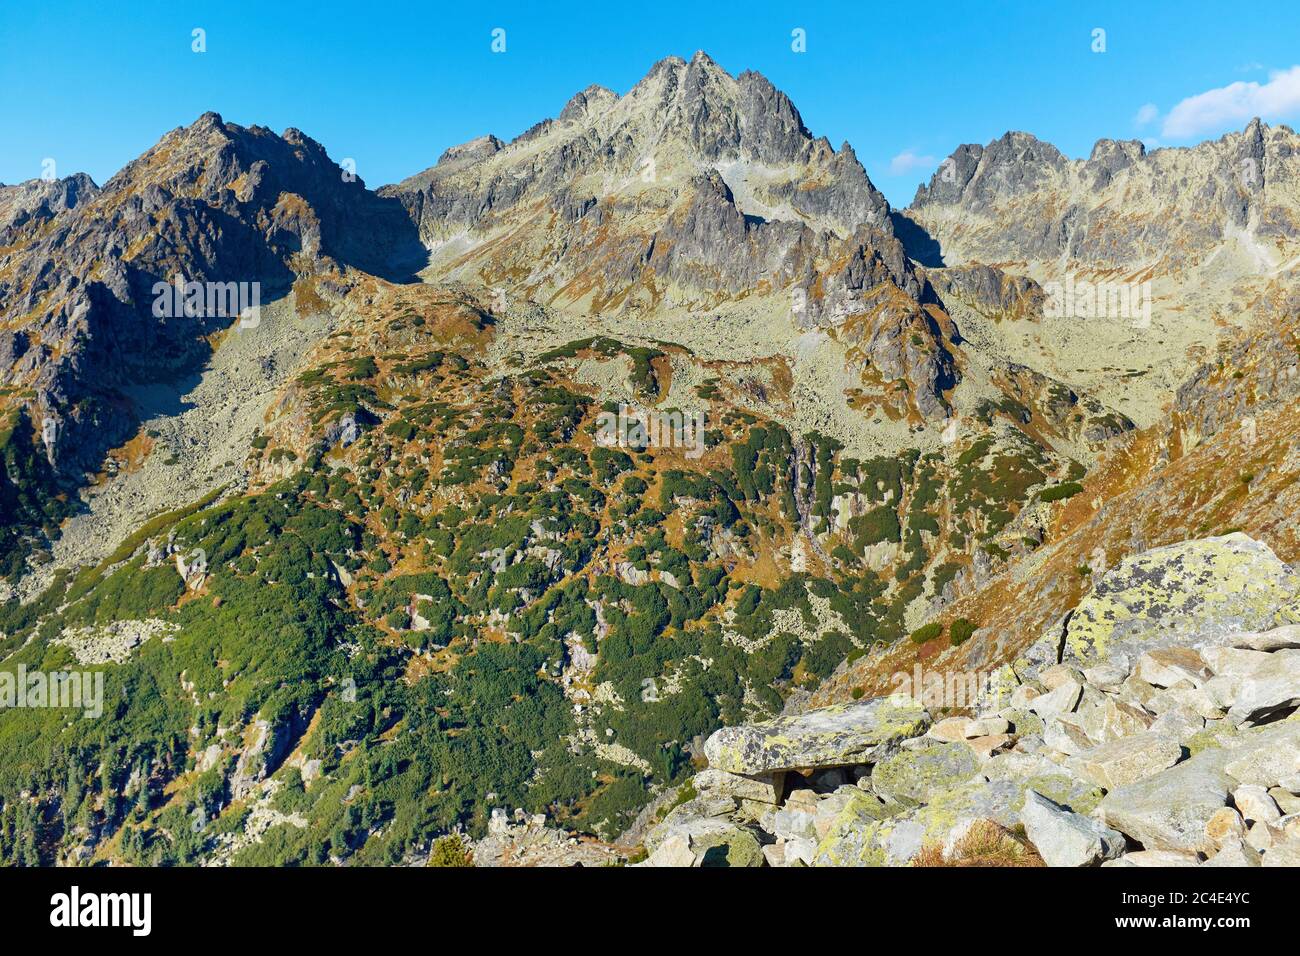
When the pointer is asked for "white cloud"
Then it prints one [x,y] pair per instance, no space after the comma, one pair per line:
[907,161]
[1234,105]
[1146,114]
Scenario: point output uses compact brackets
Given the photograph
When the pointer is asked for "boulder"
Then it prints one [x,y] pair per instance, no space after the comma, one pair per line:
[1170,810]
[1127,759]
[1202,590]
[763,788]
[708,841]
[1169,666]
[1271,686]
[1161,858]
[1112,719]
[1255,805]
[1225,826]
[1234,854]
[1279,637]
[1064,838]
[914,776]
[842,735]
[1056,702]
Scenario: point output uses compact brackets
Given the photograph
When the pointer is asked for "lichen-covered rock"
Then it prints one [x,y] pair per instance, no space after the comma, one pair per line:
[914,776]
[1170,810]
[1127,759]
[1202,590]
[842,735]
[710,841]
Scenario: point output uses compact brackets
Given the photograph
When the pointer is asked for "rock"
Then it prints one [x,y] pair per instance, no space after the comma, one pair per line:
[1127,760]
[1261,837]
[1160,858]
[987,727]
[986,747]
[857,838]
[1235,853]
[1169,811]
[1255,805]
[1058,675]
[1108,676]
[1023,695]
[1112,719]
[709,841]
[1066,736]
[950,729]
[842,735]
[1272,686]
[1282,854]
[915,776]
[1209,588]
[763,788]
[1267,766]
[1032,772]
[1225,826]
[1062,700]
[1063,838]
[1232,661]
[1276,639]
[674,851]
[1286,801]
[1168,666]
[1188,697]
[1178,724]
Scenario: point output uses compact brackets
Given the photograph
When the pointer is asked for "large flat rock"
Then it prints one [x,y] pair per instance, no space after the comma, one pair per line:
[830,737]
[1202,590]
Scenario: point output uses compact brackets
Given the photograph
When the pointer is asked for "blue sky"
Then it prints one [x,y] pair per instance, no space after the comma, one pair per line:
[391,85]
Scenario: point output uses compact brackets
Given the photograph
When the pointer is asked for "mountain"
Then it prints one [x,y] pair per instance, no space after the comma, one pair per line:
[544,471]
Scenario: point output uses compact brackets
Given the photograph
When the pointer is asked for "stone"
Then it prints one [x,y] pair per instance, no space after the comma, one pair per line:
[1127,760]
[1108,676]
[710,841]
[674,851]
[763,788]
[1282,854]
[1225,826]
[986,747]
[1232,661]
[1033,772]
[1279,637]
[950,729]
[1168,666]
[1066,736]
[1059,675]
[1236,853]
[914,776]
[1273,685]
[1112,719]
[1161,858]
[1185,696]
[1023,695]
[1255,805]
[1261,837]
[842,735]
[987,727]
[1170,810]
[1181,594]
[1179,724]
[1064,838]
[1267,767]
[1286,801]
[1062,700]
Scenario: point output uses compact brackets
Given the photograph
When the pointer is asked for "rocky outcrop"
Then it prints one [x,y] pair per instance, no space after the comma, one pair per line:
[1172,738]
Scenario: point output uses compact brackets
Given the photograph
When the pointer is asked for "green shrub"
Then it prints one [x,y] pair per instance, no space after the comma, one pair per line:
[927,632]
